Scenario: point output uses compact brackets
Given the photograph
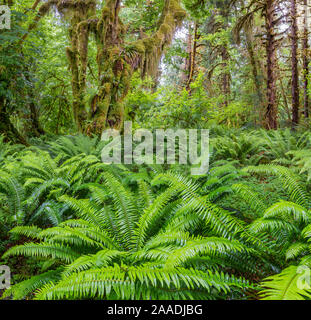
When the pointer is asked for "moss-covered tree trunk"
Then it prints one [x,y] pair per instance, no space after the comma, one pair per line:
[114,72]
[77,55]
[226,77]
[187,60]
[256,74]
[117,60]
[35,127]
[77,13]
[193,55]
[271,109]
[225,58]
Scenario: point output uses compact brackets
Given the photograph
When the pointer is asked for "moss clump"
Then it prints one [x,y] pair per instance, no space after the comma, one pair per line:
[117,62]
[107,88]
[106,12]
[139,46]
[180,15]
[174,5]
[150,44]
[114,52]
[165,28]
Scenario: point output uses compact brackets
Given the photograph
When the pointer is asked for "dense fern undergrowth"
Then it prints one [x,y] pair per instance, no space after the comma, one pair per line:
[72,227]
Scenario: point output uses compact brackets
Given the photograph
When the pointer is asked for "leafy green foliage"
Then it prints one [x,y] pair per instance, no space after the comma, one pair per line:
[285,286]
[111,234]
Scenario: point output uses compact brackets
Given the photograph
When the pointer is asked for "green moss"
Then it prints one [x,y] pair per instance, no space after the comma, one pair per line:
[180,15]
[165,28]
[106,12]
[139,46]
[149,44]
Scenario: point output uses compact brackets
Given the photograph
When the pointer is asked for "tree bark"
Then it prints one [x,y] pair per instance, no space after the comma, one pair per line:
[193,58]
[271,110]
[252,57]
[226,75]
[36,128]
[187,63]
[116,65]
[78,66]
[260,103]
[295,75]
[225,57]
[305,48]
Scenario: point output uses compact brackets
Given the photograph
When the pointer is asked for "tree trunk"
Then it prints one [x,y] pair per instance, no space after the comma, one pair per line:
[225,57]
[187,63]
[295,76]
[305,47]
[114,72]
[226,75]
[36,128]
[271,110]
[77,55]
[258,86]
[6,127]
[193,58]
[116,65]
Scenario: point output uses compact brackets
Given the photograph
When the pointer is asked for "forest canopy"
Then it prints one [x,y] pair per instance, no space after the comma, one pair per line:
[70,66]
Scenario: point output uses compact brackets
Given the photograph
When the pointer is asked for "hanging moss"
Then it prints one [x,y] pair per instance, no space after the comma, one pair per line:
[165,29]
[107,88]
[150,44]
[105,13]
[117,61]
[139,46]
[82,6]
[171,18]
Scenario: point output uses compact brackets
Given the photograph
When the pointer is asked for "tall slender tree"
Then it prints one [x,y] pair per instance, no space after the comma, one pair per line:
[270,10]
[187,61]
[271,110]
[225,56]
[193,54]
[306,61]
[295,75]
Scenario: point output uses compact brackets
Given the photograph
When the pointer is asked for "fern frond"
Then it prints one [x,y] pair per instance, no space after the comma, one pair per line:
[285,286]
[290,181]
[22,289]
[297,249]
[27,231]
[252,198]
[204,247]
[44,250]
[288,211]
[132,283]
